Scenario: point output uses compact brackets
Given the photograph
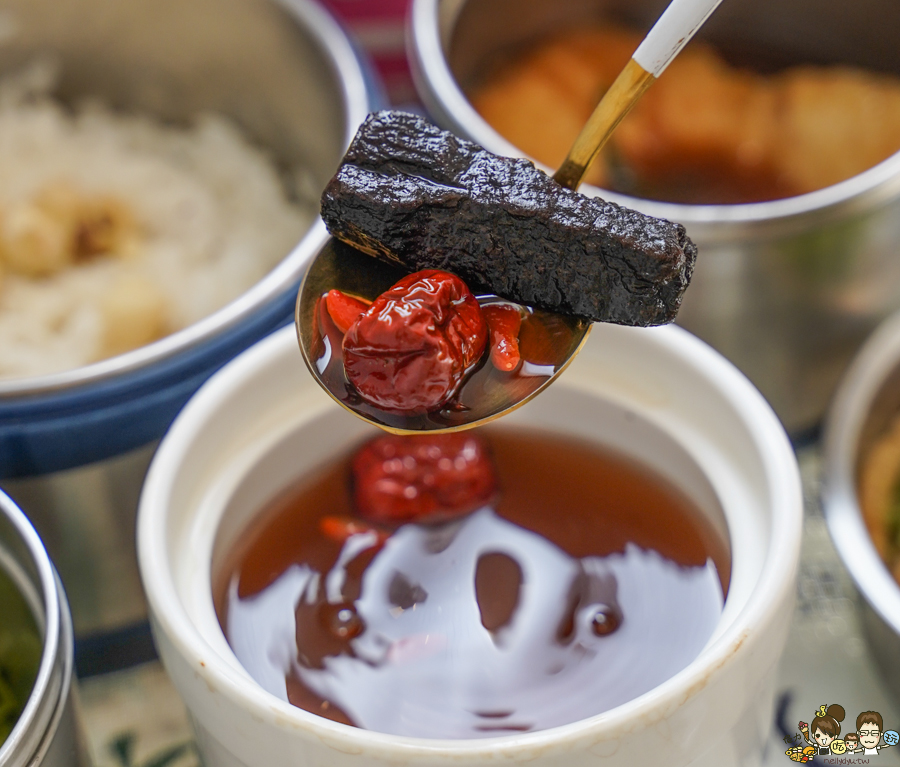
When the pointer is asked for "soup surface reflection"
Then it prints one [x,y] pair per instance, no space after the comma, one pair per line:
[578,582]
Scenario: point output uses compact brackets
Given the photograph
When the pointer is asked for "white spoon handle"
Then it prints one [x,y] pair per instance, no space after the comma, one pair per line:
[671,33]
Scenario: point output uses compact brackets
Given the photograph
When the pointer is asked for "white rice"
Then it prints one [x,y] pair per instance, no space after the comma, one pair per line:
[213,216]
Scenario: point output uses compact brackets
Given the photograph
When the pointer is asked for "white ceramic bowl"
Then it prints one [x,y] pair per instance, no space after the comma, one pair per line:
[658,395]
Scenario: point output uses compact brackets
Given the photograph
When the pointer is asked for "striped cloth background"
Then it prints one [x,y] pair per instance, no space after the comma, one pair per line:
[378,27]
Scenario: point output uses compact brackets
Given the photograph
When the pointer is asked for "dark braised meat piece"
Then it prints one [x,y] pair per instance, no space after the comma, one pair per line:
[410,193]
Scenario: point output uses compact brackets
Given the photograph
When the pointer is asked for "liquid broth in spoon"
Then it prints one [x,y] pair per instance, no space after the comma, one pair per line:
[585,583]
[547,342]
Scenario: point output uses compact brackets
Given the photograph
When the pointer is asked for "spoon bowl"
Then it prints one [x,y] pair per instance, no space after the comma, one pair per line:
[548,342]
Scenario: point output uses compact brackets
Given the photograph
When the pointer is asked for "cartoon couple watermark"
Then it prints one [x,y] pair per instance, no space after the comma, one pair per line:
[822,736]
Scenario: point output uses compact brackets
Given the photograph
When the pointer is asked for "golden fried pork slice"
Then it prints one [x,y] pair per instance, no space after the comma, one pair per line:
[705,120]
[833,124]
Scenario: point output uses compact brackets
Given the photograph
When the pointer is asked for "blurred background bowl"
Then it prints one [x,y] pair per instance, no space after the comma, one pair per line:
[787,289]
[74,446]
[865,406]
[47,733]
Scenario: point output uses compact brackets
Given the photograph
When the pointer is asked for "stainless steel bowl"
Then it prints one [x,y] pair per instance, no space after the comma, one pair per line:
[866,403]
[787,289]
[285,73]
[74,446]
[47,733]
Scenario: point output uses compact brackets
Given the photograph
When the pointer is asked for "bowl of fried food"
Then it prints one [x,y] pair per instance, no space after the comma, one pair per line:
[772,138]
[861,487]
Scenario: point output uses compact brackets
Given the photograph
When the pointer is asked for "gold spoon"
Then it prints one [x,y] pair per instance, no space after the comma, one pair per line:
[548,341]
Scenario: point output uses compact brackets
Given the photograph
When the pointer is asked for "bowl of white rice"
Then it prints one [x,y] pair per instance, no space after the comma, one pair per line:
[160,167]
[158,204]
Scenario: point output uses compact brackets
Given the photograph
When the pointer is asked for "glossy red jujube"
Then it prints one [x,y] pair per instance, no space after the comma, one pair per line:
[412,348]
[344,310]
[504,322]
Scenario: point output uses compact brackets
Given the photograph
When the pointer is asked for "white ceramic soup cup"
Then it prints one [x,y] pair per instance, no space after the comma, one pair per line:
[660,396]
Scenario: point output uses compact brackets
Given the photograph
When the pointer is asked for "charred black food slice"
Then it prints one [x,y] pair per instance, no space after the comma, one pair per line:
[417,196]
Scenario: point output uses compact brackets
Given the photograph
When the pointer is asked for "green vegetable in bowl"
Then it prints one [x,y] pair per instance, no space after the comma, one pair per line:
[20,654]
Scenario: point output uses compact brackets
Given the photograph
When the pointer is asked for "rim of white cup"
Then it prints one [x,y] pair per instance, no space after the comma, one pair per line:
[169,614]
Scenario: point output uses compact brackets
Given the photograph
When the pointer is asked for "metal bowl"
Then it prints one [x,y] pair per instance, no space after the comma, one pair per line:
[74,446]
[787,289]
[47,733]
[866,404]
[287,75]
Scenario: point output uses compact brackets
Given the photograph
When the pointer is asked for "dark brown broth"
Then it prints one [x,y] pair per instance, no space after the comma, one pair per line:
[588,583]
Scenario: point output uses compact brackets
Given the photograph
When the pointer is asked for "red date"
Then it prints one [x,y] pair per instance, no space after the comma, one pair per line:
[344,310]
[339,529]
[504,322]
[422,478]
[412,348]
